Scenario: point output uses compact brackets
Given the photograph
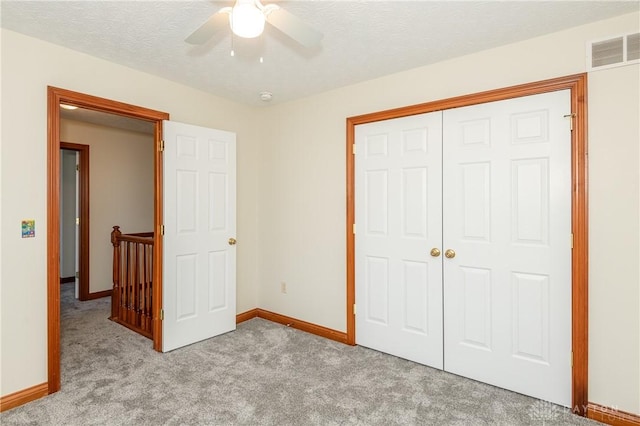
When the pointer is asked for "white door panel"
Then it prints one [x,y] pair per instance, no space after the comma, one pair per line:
[507,215]
[398,194]
[199,217]
[491,182]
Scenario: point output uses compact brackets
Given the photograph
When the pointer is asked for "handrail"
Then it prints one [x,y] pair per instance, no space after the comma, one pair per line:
[132,238]
[140,234]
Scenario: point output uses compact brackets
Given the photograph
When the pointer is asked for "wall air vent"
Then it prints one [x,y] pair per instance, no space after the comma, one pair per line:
[613,52]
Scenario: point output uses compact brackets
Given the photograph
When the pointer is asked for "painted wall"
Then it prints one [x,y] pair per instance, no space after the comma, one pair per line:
[614,236]
[67,213]
[302,200]
[121,189]
[28,67]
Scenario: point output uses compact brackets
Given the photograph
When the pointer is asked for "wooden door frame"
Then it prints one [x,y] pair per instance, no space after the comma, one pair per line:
[83,215]
[577,84]
[56,96]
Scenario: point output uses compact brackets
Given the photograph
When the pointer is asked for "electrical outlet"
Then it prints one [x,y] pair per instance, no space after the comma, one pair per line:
[283,287]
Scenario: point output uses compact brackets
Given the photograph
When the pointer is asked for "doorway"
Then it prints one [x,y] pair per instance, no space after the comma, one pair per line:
[55,97]
[79,219]
[579,228]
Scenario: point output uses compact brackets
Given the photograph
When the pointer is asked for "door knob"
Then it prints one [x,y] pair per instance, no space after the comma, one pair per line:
[435,252]
[449,254]
[232,241]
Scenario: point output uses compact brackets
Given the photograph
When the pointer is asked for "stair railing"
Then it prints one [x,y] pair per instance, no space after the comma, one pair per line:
[131,299]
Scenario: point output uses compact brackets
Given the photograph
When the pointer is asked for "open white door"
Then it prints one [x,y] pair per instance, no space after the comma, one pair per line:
[199,259]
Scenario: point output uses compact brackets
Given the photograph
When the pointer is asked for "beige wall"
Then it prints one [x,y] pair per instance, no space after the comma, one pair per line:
[302,189]
[121,189]
[28,67]
[614,236]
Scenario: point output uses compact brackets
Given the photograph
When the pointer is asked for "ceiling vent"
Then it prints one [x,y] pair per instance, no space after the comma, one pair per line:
[613,52]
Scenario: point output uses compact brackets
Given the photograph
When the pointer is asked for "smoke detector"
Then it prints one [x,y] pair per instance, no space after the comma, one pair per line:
[266,96]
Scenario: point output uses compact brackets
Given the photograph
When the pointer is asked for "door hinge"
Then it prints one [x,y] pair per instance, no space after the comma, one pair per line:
[77,167]
[353,149]
[77,274]
[571,359]
[161,229]
[353,229]
[77,221]
[354,309]
[161,145]
[571,240]
[161,314]
[572,115]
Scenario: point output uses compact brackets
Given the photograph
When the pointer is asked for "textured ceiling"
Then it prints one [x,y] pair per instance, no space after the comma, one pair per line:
[362,39]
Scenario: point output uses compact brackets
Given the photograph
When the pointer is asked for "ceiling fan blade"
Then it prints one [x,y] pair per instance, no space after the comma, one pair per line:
[293,26]
[215,23]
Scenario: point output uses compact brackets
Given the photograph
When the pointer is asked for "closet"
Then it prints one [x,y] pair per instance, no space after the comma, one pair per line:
[463,245]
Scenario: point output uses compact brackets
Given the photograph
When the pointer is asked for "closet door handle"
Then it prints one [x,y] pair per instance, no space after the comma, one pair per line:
[435,252]
[449,254]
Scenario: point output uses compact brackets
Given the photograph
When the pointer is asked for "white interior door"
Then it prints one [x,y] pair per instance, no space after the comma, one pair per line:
[199,260]
[507,216]
[398,216]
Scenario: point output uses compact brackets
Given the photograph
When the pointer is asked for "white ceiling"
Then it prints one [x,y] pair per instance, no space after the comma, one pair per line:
[362,39]
[107,119]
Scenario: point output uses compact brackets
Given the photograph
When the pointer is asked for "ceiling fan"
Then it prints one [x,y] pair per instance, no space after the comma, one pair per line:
[246,19]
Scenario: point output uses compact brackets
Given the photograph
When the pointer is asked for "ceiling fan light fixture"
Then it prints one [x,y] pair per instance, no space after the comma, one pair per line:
[246,20]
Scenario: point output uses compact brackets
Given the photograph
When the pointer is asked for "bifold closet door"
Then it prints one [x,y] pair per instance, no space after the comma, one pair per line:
[398,175]
[507,217]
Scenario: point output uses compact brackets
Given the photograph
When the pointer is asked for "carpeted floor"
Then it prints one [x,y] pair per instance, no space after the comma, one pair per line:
[261,374]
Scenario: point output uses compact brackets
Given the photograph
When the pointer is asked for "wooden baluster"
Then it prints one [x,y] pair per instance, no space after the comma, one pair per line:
[125,285]
[150,304]
[136,289]
[130,307]
[115,292]
[152,247]
[145,294]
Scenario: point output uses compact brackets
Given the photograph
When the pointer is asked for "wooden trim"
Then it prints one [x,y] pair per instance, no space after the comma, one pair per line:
[318,330]
[577,84]
[55,96]
[16,399]
[156,308]
[246,316]
[84,199]
[580,253]
[612,416]
[99,294]
[351,238]
[66,280]
[53,240]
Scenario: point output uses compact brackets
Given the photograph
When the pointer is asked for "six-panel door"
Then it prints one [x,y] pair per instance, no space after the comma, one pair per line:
[398,217]
[500,174]
[507,215]
[199,292]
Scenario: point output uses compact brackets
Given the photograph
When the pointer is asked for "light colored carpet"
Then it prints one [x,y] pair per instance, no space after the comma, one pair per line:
[261,374]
